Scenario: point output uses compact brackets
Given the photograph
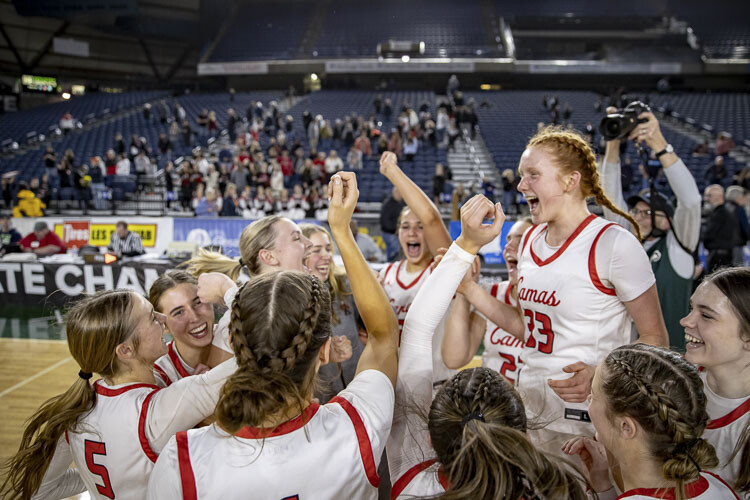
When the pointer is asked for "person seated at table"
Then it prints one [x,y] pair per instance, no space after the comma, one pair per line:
[42,241]
[125,243]
[9,236]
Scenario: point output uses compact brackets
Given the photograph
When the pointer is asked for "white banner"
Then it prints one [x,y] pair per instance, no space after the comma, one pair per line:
[398,66]
[557,67]
[70,46]
[233,68]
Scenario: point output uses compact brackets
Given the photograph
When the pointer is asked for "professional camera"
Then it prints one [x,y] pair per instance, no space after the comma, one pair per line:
[620,125]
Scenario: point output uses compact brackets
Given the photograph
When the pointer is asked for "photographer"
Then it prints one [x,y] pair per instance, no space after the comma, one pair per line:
[670,234]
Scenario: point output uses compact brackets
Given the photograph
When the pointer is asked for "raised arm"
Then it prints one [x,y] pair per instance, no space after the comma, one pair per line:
[464,329]
[435,232]
[612,180]
[381,352]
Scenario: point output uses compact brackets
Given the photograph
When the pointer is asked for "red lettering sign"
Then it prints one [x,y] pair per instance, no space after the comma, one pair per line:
[75,233]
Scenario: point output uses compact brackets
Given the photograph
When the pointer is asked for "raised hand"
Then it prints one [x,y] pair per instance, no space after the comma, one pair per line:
[343,195]
[388,161]
[475,234]
[213,286]
[594,458]
[341,349]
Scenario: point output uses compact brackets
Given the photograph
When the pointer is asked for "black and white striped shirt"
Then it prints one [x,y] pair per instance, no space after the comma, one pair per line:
[128,246]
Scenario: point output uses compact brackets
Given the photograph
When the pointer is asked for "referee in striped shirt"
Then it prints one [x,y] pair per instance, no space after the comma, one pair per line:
[125,243]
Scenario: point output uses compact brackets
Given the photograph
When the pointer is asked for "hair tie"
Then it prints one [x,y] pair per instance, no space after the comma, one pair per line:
[242,264]
[684,448]
[475,415]
[84,375]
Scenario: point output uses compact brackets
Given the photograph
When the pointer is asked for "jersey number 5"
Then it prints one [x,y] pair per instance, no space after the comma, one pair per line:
[97,448]
[545,329]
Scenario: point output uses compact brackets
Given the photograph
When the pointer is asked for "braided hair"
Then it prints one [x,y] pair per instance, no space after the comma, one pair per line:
[573,153]
[664,394]
[477,424]
[276,344]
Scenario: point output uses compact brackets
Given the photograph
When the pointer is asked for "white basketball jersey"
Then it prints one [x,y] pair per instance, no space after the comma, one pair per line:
[401,288]
[421,481]
[707,487]
[171,367]
[728,420]
[116,461]
[502,351]
[330,451]
[570,315]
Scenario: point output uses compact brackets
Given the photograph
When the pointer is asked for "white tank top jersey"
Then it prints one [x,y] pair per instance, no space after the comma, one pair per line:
[728,420]
[111,450]
[171,367]
[401,288]
[707,487]
[502,351]
[330,451]
[570,315]
[422,480]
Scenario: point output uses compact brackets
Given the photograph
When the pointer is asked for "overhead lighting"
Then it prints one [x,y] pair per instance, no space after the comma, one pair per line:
[405,58]
[65,95]
[313,77]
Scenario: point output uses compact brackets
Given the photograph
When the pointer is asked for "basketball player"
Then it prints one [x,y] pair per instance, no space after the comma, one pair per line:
[270,440]
[717,332]
[477,421]
[421,233]
[649,411]
[581,280]
[466,329]
[113,429]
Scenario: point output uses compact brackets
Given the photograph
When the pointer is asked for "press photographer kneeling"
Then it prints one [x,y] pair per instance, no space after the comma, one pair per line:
[670,234]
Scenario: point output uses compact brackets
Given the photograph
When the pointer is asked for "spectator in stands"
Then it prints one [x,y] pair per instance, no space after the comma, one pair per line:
[716,172]
[510,183]
[370,250]
[567,112]
[208,206]
[211,179]
[453,86]
[165,145]
[701,149]
[387,108]
[238,177]
[125,243]
[82,184]
[395,143]
[382,144]
[110,162]
[7,185]
[670,235]
[197,195]
[724,143]
[378,103]
[441,125]
[410,148]
[737,197]
[64,175]
[123,166]
[135,147]
[232,125]
[488,187]
[721,231]
[179,112]
[119,146]
[147,112]
[96,169]
[163,111]
[42,241]
[333,163]
[362,142]
[67,123]
[390,210]
[313,132]
[287,167]
[50,159]
[230,205]
[9,236]
[354,158]
[438,184]
[187,134]
[213,124]
[277,179]
[142,166]
[554,115]
[202,121]
[453,133]
[44,192]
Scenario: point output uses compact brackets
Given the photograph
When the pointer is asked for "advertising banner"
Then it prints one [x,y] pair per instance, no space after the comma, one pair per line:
[492,251]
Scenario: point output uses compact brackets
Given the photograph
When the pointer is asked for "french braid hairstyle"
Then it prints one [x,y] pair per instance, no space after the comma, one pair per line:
[477,424]
[278,323]
[337,281]
[254,238]
[664,394]
[734,283]
[573,153]
[95,326]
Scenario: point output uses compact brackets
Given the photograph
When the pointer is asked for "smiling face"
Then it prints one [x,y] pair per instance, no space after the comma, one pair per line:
[541,185]
[290,246]
[712,330]
[320,255]
[150,331]
[190,321]
[411,237]
[510,253]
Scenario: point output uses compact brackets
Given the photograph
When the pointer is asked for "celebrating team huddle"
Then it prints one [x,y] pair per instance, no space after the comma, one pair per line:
[566,404]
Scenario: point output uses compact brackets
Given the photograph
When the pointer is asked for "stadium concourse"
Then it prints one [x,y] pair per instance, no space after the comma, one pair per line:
[137,135]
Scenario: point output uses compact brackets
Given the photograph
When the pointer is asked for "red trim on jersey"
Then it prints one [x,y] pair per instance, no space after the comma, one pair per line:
[151,454]
[715,476]
[692,490]
[539,262]
[508,289]
[416,280]
[292,425]
[365,448]
[493,290]
[409,475]
[176,361]
[106,391]
[593,274]
[187,478]
[444,482]
[730,417]
[528,235]
[160,371]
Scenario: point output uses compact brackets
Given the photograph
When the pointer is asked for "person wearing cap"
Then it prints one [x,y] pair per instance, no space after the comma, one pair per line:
[673,236]
[42,241]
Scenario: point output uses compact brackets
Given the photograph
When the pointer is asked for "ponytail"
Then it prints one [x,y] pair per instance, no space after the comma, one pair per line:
[742,453]
[213,262]
[573,153]
[687,461]
[496,461]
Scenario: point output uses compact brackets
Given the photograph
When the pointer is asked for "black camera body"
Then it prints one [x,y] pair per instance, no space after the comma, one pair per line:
[620,125]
